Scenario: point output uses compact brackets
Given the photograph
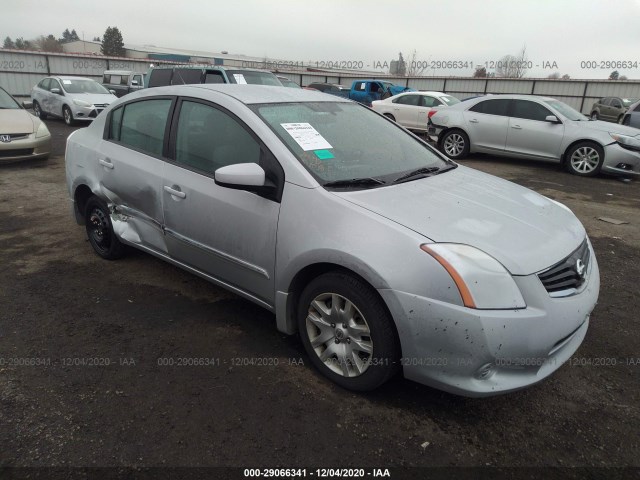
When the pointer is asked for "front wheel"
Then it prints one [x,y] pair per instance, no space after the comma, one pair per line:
[594,116]
[585,159]
[347,332]
[100,230]
[620,117]
[67,115]
[455,144]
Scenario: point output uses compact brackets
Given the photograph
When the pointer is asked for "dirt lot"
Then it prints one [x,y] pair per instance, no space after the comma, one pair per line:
[60,304]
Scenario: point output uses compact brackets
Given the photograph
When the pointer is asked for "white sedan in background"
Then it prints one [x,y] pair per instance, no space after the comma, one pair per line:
[411,109]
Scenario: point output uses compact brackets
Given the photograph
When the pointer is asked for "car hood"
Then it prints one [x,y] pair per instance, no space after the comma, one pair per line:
[601,126]
[16,121]
[99,98]
[520,228]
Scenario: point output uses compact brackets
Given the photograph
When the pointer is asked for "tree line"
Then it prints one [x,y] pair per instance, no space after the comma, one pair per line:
[111,43]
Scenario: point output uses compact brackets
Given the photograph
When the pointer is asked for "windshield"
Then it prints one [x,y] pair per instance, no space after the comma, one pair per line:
[253,78]
[7,101]
[344,141]
[566,110]
[628,101]
[83,86]
[449,100]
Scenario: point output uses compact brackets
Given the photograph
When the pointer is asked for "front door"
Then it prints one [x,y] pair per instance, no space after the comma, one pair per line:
[529,134]
[226,233]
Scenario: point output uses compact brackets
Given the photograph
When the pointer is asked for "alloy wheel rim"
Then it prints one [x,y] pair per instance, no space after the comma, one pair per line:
[67,115]
[339,335]
[454,145]
[585,159]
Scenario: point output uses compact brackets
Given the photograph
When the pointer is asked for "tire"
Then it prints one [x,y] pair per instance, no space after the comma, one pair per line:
[361,351]
[620,117]
[595,116]
[390,117]
[38,111]
[584,159]
[67,115]
[100,230]
[455,144]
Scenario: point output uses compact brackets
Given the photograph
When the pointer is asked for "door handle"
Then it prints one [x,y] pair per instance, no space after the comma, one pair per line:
[174,192]
[517,127]
[105,163]
[473,120]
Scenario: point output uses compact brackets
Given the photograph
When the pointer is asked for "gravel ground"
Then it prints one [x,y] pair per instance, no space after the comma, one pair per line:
[60,303]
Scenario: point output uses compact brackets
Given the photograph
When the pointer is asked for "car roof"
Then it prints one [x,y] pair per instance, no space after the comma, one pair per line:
[252,94]
[209,67]
[424,93]
[70,77]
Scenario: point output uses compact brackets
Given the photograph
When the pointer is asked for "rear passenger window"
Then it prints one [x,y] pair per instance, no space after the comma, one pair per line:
[213,77]
[492,107]
[141,125]
[208,138]
[186,76]
[160,77]
[529,110]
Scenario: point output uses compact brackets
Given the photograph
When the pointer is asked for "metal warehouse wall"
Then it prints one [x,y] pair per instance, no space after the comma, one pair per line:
[20,71]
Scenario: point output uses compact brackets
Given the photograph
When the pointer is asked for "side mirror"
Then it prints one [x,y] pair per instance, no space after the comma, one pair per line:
[56,91]
[134,83]
[27,105]
[551,119]
[112,92]
[241,176]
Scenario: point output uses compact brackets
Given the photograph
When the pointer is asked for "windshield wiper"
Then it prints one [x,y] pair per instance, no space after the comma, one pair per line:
[415,173]
[355,182]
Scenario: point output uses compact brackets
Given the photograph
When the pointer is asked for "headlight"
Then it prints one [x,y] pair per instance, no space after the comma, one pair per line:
[626,141]
[482,281]
[42,131]
[82,103]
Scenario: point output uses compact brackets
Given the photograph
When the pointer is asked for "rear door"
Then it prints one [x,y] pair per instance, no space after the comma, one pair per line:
[487,123]
[226,233]
[405,110]
[130,166]
[530,134]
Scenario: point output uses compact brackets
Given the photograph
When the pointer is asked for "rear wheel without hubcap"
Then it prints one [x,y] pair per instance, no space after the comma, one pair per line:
[585,159]
[100,231]
[594,116]
[347,332]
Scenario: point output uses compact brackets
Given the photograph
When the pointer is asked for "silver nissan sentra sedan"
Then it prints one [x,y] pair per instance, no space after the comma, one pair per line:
[381,253]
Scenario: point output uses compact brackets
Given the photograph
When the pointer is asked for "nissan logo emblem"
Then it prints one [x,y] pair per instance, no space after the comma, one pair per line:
[580,267]
[5,138]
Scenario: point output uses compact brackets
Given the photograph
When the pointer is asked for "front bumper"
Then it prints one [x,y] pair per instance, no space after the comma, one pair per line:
[479,353]
[25,148]
[619,160]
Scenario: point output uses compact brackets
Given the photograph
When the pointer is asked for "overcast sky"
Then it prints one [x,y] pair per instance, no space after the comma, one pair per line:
[566,32]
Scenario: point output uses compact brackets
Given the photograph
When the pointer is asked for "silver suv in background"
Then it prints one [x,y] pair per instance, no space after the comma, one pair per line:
[70,98]
[536,128]
[611,109]
[121,82]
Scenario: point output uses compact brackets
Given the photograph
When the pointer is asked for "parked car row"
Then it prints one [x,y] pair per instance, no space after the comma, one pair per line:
[611,109]
[411,110]
[410,263]
[537,128]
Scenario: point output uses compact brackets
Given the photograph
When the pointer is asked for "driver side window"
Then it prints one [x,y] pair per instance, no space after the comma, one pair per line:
[208,138]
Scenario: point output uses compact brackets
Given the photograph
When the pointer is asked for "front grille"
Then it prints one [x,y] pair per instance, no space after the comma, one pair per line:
[21,152]
[568,275]
[16,136]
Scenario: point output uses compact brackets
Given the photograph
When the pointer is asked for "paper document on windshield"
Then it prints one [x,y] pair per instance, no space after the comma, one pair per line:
[240,80]
[306,136]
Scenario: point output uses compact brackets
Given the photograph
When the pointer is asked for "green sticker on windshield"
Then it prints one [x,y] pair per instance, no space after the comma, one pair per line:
[323,154]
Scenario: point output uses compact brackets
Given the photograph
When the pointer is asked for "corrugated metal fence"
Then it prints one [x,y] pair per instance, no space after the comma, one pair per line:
[20,71]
